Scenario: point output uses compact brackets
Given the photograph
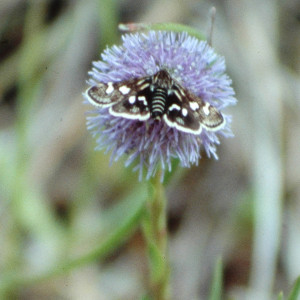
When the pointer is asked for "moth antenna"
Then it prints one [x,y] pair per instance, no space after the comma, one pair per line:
[212,13]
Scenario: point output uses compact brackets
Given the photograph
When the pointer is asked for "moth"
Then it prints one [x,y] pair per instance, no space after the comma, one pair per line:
[159,97]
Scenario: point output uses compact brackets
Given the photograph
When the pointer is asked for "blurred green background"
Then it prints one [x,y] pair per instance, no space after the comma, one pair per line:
[68,220]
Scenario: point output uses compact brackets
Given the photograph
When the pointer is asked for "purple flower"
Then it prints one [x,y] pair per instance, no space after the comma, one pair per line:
[159,96]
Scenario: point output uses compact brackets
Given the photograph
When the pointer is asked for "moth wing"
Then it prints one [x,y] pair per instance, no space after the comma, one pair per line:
[189,113]
[134,107]
[187,123]
[103,94]
[209,116]
[179,114]
[108,94]
[134,103]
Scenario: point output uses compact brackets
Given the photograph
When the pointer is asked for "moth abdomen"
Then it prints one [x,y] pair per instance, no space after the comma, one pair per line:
[158,103]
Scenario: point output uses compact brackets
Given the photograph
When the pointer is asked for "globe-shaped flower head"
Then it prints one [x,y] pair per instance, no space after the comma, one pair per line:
[159,96]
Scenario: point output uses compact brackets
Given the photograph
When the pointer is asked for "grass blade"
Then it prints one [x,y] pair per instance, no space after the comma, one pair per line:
[217,284]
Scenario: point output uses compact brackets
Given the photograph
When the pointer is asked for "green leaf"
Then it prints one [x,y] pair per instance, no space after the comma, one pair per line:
[133,209]
[174,27]
[295,293]
[178,28]
[217,284]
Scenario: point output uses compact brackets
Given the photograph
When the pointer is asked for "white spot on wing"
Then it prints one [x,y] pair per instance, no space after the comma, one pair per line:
[143,99]
[174,106]
[110,88]
[206,108]
[184,112]
[132,99]
[194,105]
[124,89]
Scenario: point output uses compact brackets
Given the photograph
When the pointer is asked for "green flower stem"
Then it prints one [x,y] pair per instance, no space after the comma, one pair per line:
[155,232]
[217,283]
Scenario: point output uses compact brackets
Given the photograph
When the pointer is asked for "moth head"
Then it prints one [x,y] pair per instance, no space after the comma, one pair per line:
[162,79]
